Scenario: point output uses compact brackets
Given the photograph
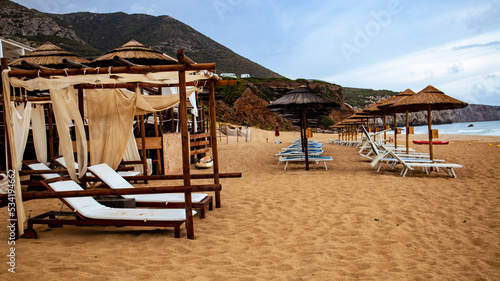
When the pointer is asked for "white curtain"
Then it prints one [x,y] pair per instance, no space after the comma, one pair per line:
[39,132]
[9,125]
[66,114]
[21,119]
[111,115]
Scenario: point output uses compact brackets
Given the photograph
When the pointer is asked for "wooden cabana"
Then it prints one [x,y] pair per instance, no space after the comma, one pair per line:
[63,83]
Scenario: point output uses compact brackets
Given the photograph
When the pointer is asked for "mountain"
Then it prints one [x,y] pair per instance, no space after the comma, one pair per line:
[90,35]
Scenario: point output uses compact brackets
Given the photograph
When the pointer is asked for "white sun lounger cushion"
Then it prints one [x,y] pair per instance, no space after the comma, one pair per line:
[116,181]
[90,208]
[43,167]
[61,161]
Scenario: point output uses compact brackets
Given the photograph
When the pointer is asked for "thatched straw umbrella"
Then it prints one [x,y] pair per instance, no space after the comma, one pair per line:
[428,99]
[387,107]
[133,53]
[301,101]
[49,55]
[373,110]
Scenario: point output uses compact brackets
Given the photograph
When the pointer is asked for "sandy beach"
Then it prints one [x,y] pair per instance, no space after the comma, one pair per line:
[345,223]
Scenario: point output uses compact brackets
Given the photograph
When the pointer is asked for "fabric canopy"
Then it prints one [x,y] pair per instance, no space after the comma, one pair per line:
[111,116]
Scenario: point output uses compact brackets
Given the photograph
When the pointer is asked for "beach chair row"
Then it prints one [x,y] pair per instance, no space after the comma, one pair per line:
[295,154]
[396,156]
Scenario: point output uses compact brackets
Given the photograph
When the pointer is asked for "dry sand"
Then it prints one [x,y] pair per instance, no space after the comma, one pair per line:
[346,223]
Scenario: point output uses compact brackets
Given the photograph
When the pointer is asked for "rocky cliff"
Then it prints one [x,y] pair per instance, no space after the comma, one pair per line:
[245,103]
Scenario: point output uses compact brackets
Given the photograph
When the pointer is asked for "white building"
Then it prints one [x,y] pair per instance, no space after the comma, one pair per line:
[232,75]
[12,50]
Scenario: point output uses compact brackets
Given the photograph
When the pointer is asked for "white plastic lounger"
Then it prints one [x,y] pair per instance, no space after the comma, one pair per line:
[166,200]
[299,152]
[447,167]
[316,159]
[90,212]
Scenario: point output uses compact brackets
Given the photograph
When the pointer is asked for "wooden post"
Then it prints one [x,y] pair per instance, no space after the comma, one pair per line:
[183,118]
[51,130]
[10,167]
[395,131]
[407,133]
[385,124]
[172,120]
[143,150]
[213,137]
[304,122]
[429,120]
[374,131]
[157,134]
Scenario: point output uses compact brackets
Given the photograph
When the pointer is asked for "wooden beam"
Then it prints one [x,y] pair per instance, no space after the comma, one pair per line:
[183,59]
[113,70]
[199,136]
[199,143]
[123,61]
[199,151]
[225,82]
[33,65]
[74,63]
[109,191]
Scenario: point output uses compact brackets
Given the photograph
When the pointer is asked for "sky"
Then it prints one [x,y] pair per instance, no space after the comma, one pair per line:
[453,45]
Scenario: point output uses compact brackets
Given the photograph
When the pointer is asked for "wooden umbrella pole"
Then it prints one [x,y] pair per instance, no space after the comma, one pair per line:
[186,171]
[429,117]
[213,137]
[374,135]
[395,130]
[407,133]
[143,150]
[304,122]
[385,124]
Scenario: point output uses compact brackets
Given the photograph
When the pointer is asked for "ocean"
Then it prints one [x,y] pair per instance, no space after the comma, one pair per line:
[487,128]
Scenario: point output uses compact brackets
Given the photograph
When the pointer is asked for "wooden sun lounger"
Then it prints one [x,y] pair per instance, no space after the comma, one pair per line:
[88,212]
[316,159]
[114,180]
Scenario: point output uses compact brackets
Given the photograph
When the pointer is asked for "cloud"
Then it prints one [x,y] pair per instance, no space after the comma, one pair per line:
[472,73]
[490,44]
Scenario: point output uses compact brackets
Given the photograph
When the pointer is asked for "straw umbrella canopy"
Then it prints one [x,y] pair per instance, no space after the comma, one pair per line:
[373,110]
[48,55]
[301,101]
[428,99]
[132,53]
[387,107]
